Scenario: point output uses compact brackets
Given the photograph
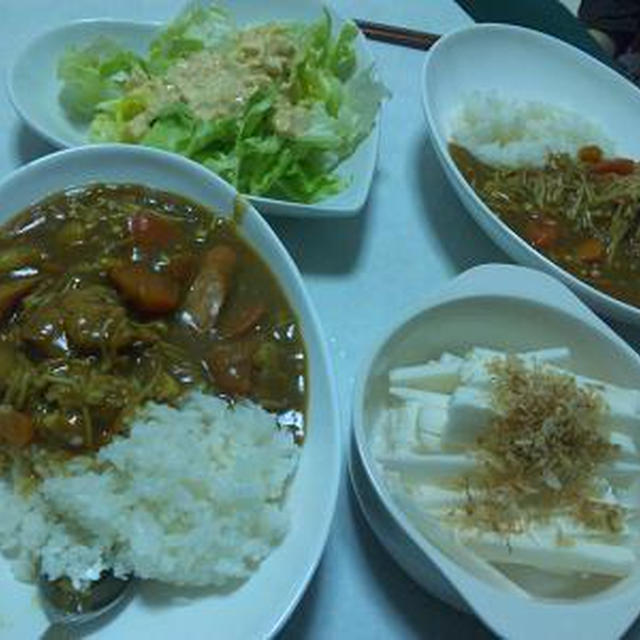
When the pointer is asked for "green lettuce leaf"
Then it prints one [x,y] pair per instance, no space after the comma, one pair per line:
[342,54]
[111,123]
[197,27]
[260,162]
[94,74]
[172,129]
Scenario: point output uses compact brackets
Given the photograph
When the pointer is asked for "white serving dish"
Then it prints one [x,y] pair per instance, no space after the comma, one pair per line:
[524,64]
[515,309]
[34,88]
[260,606]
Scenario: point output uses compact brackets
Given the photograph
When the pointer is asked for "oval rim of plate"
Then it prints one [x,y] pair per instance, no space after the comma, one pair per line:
[194,173]
[572,310]
[510,242]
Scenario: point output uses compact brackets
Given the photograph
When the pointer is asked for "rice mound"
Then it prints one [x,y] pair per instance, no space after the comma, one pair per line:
[516,133]
[193,496]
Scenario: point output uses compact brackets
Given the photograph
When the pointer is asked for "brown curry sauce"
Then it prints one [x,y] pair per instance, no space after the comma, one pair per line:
[583,249]
[115,295]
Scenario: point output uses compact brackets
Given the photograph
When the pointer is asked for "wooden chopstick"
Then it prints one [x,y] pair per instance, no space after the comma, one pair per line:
[397,35]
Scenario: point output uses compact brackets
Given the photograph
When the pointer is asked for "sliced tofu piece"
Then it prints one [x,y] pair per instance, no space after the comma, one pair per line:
[483,354]
[629,498]
[557,356]
[429,468]
[432,498]
[623,403]
[442,536]
[469,413]
[474,373]
[428,443]
[627,449]
[426,398]
[442,377]
[447,357]
[621,471]
[397,430]
[567,528]
[623,408]
[542,551]
[432,421]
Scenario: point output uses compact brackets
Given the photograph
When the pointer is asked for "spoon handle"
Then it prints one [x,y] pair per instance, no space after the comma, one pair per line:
[58,631]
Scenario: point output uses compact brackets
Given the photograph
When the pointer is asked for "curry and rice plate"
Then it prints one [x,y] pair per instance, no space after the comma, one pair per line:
[552,176]
[153,381]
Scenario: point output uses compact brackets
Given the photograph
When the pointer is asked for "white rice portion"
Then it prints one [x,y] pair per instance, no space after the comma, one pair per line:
[194,496]
[516,133]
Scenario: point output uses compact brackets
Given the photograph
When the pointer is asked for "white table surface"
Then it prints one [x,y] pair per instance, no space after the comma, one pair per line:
[361,273]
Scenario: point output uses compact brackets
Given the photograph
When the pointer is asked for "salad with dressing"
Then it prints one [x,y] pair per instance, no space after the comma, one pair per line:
[272,108]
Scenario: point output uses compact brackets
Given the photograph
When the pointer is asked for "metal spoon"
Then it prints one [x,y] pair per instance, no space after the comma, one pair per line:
[69,609]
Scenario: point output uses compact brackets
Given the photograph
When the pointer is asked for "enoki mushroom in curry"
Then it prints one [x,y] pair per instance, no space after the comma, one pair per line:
[112,296]
[582,212]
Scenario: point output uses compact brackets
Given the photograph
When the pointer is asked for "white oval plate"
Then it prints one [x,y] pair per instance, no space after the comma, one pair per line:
[260,606]
[34,88]
[527,65]
[504,307]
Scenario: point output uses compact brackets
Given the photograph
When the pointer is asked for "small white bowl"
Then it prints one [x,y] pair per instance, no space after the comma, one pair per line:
[34,89]
[515,309]
[260,606]
[527,65]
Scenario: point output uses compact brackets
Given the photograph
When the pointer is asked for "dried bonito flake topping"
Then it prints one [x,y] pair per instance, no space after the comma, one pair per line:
[542,450]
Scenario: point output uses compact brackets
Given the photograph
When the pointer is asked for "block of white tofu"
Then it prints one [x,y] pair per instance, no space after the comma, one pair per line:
[430,467]
[621,471]
[470,412]
[473,372]
[483,354]
[398,429]
[426,398]
[557,356]
[428,442]
[623,406]
[432,498]
[629,497]
[432,421]
[449,357]
[627,448]
[410,427]
[442,377]
[539,548]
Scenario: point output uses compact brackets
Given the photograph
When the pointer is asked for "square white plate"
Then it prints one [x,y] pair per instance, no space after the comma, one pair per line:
[34,89]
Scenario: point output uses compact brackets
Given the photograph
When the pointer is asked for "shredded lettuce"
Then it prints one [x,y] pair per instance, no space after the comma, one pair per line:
[334,104]
[197,27]
[94,74]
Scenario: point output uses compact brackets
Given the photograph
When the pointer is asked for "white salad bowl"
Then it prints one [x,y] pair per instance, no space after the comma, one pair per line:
[522,64]
[260,606]
[34,92]
[514,309]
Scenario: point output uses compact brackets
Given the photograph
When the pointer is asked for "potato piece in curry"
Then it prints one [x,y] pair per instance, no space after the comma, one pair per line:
[115,295]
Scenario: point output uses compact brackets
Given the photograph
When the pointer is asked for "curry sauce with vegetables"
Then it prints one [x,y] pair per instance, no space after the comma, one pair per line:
[582,212]
[115,295]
